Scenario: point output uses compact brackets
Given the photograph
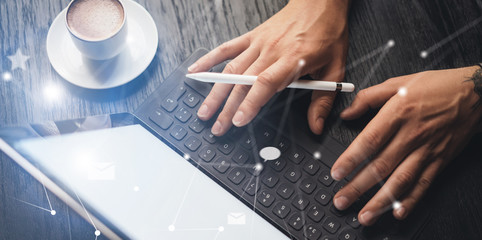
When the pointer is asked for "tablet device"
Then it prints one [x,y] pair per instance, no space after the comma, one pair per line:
[128,183]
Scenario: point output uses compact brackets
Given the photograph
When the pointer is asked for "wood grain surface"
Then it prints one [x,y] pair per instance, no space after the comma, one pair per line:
[450,29]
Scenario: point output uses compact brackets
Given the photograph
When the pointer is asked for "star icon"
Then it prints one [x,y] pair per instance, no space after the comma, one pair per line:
[18,60]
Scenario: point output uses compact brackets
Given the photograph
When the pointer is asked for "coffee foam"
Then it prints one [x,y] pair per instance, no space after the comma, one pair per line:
[95,20]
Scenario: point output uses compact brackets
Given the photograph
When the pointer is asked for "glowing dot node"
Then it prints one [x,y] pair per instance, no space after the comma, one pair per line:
[391,43]
[7,76]
[171,228]
[221,229]
[52,92]
[301,62]
[97,233]
[53,212]
[317,155]
[423,54]
[187,156]
[258,167]
[402,91]
[396,205]
[136,189]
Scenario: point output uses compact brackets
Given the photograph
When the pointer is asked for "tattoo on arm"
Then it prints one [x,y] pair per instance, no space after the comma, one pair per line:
[477,79]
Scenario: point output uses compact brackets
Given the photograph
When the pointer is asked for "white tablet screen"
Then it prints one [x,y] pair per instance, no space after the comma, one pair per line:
[143,187]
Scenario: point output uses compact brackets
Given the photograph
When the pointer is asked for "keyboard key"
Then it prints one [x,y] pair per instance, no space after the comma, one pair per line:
[208,136]
[285,191]
[296,156]
[308,186]
[226,147]
[331,225]
[323,197]
[192,143]
[327,238]
[266,198]
[296,221]
[325,178]
[277,164]
[263,134]
[255,169]
[312,232]
[183,115]
[337,212]
[270,179]
[316,213]
[352,220]
[169,104]
[300,202]
[247,142]
[191,100]
[177,93]
[207,154]
[221,165]
[161,119]
[240,157]
[197,125]
[311,167]
[293,175]
[281,210]
[251,187]
[347,234]
[236,175]
[178,132]
[283,144]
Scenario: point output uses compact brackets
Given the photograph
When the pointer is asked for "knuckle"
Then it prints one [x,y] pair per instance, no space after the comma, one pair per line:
[424,182]
[231,67]
[251,105]
[225,47]
[241,89]
[404,179]
[372,140]
[266,79]
[324,106]
[362,94]
[380,168]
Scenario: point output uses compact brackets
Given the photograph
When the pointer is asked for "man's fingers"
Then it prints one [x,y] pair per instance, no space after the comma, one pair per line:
[322,101]
[223,52]
[401,180]
[372,97]
[263,89]
[220,91]
[375,171]
[423,182]
[238,94]
[380,129]
[320,107]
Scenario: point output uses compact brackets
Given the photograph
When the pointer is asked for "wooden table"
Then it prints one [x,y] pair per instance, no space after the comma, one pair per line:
[451,29]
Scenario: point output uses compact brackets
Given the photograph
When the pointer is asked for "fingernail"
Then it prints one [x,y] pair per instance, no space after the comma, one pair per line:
[193,67]
[217,128]
[238,118]
[338,174]
[341,202]
[401,212]
[203,111]
[366,217]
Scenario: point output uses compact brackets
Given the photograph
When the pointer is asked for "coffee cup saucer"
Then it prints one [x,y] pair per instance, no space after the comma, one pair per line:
[141,46]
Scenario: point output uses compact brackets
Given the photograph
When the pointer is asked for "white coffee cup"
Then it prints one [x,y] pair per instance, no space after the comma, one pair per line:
[98,27]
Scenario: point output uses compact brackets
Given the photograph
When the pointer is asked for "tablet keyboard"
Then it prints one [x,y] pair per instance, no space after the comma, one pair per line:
[294,191]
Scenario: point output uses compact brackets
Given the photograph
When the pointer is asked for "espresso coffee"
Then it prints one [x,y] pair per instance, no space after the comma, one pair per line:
[95,20]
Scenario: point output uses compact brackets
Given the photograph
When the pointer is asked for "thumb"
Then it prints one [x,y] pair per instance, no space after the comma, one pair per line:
[320,107]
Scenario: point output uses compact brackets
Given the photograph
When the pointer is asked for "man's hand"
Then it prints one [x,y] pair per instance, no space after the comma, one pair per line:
[426,119]
[307,36]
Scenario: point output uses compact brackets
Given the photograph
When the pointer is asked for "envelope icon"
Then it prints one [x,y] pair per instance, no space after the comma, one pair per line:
[101,171]
[236,218]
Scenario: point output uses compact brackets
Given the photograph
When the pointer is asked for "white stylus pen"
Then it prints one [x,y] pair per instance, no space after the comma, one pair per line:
[249,80]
